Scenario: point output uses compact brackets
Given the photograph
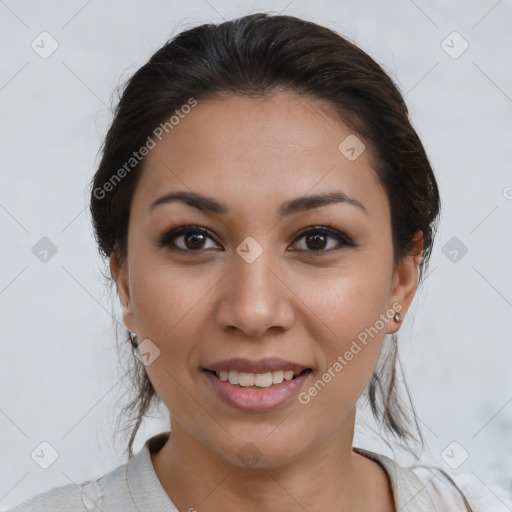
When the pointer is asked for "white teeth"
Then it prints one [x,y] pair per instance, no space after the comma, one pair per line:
[277,377]
[288,375]
[246,379]
[261,380]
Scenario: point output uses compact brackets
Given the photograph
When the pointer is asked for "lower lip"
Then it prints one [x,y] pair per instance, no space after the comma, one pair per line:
[255,399]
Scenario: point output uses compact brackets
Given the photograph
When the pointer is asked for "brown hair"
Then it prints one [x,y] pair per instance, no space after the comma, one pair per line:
[257,55]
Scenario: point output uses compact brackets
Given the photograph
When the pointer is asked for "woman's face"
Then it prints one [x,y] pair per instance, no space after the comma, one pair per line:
[255,280]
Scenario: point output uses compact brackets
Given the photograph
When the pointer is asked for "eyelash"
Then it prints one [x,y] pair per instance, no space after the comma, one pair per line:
[327,230]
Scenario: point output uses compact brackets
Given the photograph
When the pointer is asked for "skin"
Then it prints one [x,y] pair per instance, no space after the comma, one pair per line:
[209,304]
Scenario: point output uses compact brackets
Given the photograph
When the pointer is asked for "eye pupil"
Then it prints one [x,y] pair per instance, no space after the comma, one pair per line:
[195,237]
[318,241]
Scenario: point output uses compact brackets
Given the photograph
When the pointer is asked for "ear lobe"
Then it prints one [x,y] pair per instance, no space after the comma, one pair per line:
[405,279]
[120,275]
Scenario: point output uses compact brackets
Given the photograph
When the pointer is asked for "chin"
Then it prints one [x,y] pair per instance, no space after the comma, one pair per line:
[261,450]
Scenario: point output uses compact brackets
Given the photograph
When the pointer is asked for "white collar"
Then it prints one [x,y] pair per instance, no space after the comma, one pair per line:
[409,492]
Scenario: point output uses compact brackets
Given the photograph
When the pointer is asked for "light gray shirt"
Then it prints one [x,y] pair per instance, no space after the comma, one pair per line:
[135,487]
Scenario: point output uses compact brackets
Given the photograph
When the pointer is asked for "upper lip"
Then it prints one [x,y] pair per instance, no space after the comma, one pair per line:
[264,365]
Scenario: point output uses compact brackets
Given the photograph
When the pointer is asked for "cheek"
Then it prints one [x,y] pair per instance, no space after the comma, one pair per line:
[347,301]
[349,356]
[349,326]
[165,296]
[167,304]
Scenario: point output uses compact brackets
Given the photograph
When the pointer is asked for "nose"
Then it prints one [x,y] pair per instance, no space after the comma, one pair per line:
[255,298]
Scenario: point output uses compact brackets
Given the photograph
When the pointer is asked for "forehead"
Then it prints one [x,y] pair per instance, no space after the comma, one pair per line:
[254,149]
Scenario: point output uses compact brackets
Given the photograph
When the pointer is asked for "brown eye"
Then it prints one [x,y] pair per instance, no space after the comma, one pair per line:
[194,240]
[317,240]
[188,238]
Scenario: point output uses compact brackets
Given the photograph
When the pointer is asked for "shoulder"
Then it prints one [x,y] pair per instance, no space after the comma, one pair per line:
[131,487]
[422,488]
[482,495]
[68,498]
[84,497]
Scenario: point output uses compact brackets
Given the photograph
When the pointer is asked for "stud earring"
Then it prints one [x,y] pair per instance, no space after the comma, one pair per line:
[133,339]
[397,317]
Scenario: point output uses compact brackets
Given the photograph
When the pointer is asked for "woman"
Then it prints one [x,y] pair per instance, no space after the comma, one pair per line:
[267,210]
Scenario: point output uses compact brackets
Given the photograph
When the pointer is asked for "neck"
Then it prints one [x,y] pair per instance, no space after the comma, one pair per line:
[330,477]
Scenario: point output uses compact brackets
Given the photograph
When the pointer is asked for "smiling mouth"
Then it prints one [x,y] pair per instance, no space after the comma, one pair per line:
[256,380]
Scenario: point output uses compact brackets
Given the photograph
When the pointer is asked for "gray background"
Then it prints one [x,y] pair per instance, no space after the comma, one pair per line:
[61,377]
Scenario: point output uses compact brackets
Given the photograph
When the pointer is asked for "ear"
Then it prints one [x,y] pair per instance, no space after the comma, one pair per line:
[405,280]
[120,275]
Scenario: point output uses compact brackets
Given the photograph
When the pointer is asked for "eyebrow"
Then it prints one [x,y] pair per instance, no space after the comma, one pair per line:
[300,204]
